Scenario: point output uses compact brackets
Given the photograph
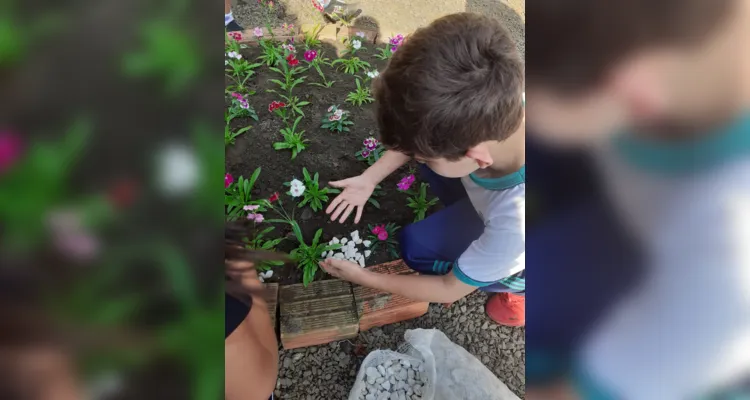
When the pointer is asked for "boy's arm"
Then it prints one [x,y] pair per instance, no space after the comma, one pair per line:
[430,288]
[386,165]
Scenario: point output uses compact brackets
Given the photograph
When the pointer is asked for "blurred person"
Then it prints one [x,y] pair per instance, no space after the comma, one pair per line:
[659,92]
[230,24]
[251,352]
[452,98]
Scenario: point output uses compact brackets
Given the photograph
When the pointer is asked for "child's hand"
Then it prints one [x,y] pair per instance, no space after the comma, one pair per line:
[355,193]
[343,269]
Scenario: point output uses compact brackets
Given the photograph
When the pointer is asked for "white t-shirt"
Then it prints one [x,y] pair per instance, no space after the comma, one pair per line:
[685,331]
[500,251]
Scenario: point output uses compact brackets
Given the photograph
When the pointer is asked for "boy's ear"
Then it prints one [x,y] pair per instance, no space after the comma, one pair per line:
[481,154]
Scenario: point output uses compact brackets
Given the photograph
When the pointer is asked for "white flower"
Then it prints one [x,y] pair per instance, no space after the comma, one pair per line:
[361,34]
[373,74]
[356,44]
[226,62]
[234,54]
[339,112]
[178,170]
[297,191]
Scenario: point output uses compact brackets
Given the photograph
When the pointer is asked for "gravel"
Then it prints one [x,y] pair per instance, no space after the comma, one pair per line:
[328,371]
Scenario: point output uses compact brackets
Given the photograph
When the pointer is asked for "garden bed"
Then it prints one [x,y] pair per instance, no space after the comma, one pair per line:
[330,154]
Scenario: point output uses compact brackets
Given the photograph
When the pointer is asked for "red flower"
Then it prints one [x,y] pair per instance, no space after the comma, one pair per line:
[292,60]
[123,193]
[274,197]
[235,35]
[275,105]
[378,229]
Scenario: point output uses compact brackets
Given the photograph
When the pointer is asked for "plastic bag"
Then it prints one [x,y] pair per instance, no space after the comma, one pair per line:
[451,371]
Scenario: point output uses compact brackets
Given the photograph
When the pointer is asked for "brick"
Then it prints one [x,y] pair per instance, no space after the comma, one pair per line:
[377,308]
[321,313]
[271,295]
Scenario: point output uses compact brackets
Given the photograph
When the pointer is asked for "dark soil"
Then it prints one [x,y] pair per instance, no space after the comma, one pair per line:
[328,153]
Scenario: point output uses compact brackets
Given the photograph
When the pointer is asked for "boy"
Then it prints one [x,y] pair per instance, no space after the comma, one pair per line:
[451,97]
[678,73]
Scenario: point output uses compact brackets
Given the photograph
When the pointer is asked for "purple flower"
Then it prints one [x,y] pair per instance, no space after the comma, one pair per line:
[310,55]
[370,143]
[10,150]
[406,182]
[365,153]
[393,49]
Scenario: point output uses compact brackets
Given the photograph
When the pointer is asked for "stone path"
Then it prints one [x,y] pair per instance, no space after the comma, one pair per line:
[328,371]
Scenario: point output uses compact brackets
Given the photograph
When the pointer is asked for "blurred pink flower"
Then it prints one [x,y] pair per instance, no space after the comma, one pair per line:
[365,153]
[250,207]
[383,235]
[258,32]
[336,117]
[378,229]
[258,218]
[228,180]
[10,150]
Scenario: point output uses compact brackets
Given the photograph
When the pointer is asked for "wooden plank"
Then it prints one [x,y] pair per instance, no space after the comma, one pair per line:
[321,313]
[378,308]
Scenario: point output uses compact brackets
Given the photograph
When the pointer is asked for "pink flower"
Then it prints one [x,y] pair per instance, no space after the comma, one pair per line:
[330,108]
[288,47]
[365,153]
[336,117]
[258,32]
[250,207]
[331,117]
[383,235]
[310,55]
[406,182]
[258,218]
[378,229]
[237,95]
[10,150]
[228,180]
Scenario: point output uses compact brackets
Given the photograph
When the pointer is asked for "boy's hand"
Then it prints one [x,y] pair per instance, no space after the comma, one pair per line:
[355,193]
[343,269]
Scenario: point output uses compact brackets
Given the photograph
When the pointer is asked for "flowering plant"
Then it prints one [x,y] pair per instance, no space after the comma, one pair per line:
[310,191]
[393,44]
[238,68]
[372,74]
[418,202]
[271,53]
[314,60]
[311,36]
[353,44]
[278,108]
[240,108]
[307,256]
[231,137]
[371,152]
[362,95]
[238,198]
[292,139]
[260,243]
[384,235]
[351,65]
[289,83]
[336,120]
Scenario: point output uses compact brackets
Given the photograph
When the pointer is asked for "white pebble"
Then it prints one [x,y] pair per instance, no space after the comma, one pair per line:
[386,385]
[381,370]
[406,363]
[323,254]
[260,278]
[339,256]
[383,396]
[394,396]
[354,234]
[344,240]
[351,244]
[367,243]
[358,241]
[370,397]
[380,380]
[362,262]
[335,240]
[367,253]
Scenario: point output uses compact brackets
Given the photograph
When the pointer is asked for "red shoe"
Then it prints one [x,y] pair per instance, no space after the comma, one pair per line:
[507,309]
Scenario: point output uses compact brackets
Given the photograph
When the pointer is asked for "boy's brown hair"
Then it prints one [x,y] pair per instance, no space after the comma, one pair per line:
[579,41]
[452,85]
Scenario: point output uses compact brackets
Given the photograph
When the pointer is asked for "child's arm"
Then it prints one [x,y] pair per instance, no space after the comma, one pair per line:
[431,288]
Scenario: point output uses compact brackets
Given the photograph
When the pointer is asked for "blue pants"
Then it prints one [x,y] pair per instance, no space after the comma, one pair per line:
[432,245]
